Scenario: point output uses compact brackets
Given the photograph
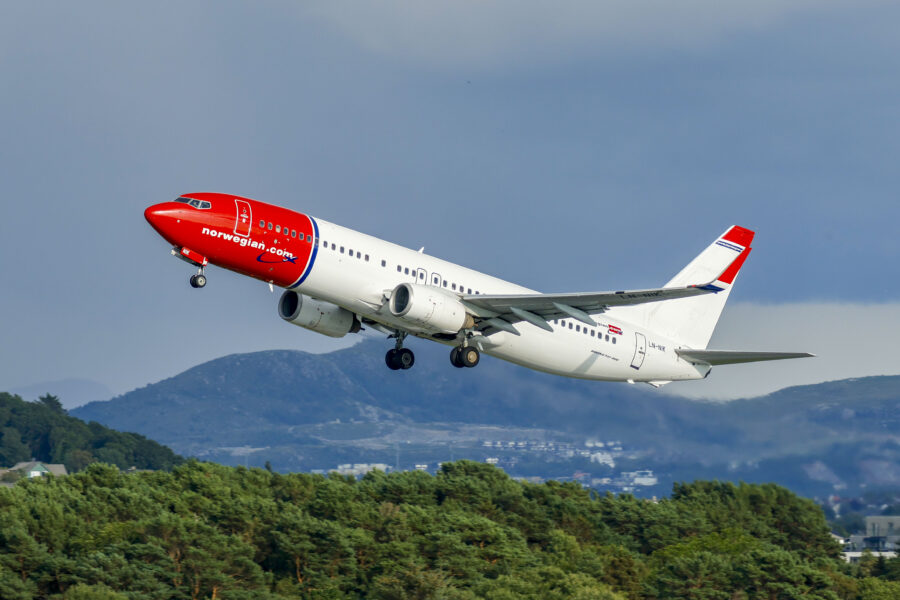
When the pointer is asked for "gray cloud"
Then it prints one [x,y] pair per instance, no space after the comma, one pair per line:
[478,34]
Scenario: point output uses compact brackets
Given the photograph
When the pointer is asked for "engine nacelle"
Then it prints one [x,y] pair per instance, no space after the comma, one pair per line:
[429,308]
[322,317]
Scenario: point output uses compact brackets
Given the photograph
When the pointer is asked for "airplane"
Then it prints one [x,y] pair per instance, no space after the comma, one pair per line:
[339,281]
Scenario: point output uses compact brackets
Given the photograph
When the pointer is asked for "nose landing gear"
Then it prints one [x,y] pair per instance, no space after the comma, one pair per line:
[399,357]
[198,280]
[196,259]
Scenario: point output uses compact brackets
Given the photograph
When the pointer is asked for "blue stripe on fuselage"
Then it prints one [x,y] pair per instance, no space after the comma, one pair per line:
[312,258]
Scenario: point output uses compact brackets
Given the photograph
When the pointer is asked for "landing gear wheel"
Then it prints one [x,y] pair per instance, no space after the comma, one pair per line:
[405,358]
[198,281]
[391,360]
[469,356]
[455,360]
[402,358]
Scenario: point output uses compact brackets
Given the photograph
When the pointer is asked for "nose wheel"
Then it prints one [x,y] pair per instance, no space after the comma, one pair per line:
[399,357]
[464,356]
[198,280]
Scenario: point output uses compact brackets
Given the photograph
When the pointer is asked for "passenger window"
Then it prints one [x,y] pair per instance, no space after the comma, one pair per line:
[570,326]
[406,270]
[308,237]
[445,283]
[436,280]
[607,337]
[421,274]
[278,229]
[469,291]
[342,249]
[294,233]
[454,287]
[350,252]
[578,328]
[614,339]
[262,224]
[358,254]
[367,258]
[332,246]
[399,268]
[383,263]
[592,333]
[270,225]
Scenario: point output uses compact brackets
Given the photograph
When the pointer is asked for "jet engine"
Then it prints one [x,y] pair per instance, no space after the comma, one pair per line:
[321,317]
[430,308]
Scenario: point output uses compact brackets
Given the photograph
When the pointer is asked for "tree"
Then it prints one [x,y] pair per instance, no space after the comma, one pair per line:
[92,592]
[12,449]
[52,402]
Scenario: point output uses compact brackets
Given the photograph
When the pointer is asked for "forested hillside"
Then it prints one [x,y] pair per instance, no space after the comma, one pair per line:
[209,531]
[43,431]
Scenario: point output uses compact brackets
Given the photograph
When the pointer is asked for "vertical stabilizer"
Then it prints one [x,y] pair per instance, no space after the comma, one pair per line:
[691,321]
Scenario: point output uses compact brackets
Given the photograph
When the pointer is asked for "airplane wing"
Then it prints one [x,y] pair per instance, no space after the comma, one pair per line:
[730,357]
[502,311]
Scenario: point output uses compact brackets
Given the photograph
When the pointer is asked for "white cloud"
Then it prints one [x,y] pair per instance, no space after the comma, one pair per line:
[849,340]
[478,33]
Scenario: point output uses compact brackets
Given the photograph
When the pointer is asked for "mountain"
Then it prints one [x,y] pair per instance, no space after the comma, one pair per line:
[307,411]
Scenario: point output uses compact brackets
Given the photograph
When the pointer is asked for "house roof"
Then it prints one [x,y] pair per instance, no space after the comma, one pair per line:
[32,465]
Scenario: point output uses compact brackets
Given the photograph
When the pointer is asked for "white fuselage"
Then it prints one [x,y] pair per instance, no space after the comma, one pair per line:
[615,350]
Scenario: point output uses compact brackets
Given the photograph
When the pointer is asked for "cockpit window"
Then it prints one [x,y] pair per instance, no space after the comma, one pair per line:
[201,204]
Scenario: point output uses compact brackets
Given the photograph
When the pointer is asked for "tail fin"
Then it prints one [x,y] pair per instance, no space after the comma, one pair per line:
[691,321]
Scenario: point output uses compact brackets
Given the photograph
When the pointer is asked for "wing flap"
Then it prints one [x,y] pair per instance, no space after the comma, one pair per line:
[731,357]
[548,305]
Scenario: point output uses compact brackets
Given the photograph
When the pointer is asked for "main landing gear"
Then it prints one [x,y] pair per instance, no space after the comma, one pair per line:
[399,357]
[464,356]
[198,280]
[403,358]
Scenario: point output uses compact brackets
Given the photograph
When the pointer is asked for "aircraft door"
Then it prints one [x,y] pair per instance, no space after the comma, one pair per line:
[244,218]
[640,350]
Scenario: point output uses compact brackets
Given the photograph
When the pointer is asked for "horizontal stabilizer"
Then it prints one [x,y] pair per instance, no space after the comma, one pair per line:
[731,357]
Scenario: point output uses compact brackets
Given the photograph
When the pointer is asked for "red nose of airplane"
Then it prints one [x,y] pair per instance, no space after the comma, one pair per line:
[164,218]
[152,214]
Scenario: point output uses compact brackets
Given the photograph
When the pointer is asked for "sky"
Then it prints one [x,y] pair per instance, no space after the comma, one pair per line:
[566,146]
